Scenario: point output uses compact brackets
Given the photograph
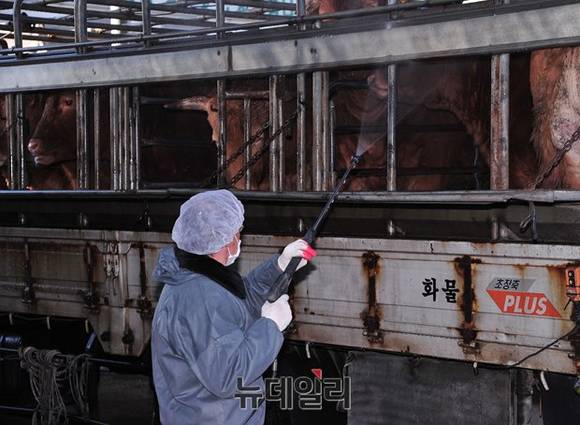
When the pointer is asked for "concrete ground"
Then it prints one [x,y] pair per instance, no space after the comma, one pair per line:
[123,400]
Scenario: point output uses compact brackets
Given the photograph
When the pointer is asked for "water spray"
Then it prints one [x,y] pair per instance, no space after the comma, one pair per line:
[281,285]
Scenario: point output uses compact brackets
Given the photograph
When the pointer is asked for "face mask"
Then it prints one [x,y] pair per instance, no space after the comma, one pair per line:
[233,257]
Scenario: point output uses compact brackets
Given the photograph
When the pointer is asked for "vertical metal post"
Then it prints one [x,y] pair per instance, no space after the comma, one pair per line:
[301,118]
[301,132]
[247,135]
[332,141]
[12,141]
[17,25]
[80,21]
[391,123]
[391,128]
[126,137]
[499,167]
[131,139]
[274,125]
[222,131]
[222,106]
[280,148]
[146,19]
[114,127]
[317,163]
[19,109]
[82,136]
[97,138]
[327,174]
[136,139]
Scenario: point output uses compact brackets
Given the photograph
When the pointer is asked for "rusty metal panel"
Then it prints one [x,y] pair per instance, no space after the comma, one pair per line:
[111,286]
[467,318]
[359,292]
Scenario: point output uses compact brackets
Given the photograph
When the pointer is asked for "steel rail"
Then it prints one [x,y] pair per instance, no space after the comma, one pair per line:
[185,10]
[127,15]
[255,25]
[69,22]
[378,197]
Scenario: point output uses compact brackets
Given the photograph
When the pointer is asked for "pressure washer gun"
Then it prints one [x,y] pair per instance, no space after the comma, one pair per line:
[281,285]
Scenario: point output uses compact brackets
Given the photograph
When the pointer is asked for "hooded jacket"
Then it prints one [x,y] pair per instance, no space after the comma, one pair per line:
[204,338]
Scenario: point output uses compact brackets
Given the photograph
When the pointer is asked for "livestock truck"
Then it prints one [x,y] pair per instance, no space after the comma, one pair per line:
[446,288]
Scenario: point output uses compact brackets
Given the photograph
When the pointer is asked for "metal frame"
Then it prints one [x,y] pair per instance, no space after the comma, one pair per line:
[305,50]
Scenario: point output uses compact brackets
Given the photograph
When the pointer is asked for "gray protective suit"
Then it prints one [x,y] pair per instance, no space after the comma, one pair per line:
[204,338]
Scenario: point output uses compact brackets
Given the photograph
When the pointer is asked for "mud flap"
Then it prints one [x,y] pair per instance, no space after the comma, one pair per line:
[402,390]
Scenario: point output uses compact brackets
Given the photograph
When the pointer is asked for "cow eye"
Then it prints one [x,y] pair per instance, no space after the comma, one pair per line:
[68,101]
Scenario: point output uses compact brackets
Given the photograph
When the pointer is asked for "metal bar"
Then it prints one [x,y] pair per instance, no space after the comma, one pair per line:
[114,129]
[13,162]
[19,109]
[349,14]
[17,25]
[220,17]
[126,15]
[301,118]
[222,131]
[281,138]
[332,140]
[327,174]
[247,136]
[80,22]
[274,126]
[97,138]
[391,128]
[487,34]
[317,161]
[137,137]
[82,138]
[126,137]
[68,22]
[146,18]
[222,105]
[499,138]
[184,10]
[301,132]
[254,95]
[475,198]
[67,38]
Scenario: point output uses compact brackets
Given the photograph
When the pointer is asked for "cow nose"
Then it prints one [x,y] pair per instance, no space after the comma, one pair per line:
[33,145]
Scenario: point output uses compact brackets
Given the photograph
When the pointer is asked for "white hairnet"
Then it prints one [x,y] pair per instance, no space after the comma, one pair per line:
[207,222]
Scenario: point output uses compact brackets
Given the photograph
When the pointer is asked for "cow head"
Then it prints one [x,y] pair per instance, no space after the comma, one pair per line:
[54,138]
[207,104]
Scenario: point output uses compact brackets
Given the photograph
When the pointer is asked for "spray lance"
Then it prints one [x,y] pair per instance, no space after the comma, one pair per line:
[281,285]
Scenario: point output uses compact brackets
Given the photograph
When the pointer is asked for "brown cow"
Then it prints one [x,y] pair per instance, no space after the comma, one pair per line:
[555,82]
[461,86]
[49,177]
[235,134]
[53,143]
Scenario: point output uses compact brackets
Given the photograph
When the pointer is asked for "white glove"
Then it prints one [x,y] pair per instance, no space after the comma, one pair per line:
[278,311]
[299,248]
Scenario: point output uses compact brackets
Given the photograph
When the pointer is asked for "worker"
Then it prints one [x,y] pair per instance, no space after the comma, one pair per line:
[214,329]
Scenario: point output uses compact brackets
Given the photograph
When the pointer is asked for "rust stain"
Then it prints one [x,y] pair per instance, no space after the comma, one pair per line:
[465,269]
[372,315]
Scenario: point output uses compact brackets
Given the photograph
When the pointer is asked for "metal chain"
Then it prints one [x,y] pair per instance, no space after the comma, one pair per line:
[265,147]
[256,157]
[236,154]
[557,159]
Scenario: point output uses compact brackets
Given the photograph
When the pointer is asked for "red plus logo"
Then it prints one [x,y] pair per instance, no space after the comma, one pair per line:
[512,296]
